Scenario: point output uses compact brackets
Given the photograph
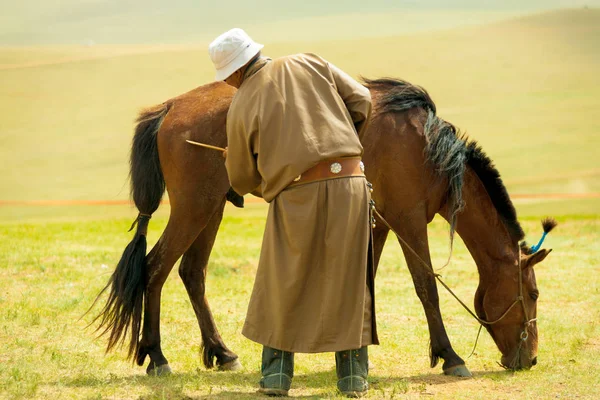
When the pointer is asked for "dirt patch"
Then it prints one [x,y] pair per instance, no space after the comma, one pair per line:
[593,343]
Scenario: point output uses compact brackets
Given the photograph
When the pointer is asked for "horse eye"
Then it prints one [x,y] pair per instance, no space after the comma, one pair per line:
[534,295]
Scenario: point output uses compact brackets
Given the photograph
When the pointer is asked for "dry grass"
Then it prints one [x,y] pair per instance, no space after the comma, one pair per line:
[51,272]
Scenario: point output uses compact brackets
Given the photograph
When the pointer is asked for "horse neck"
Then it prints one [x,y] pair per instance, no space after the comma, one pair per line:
[481,228]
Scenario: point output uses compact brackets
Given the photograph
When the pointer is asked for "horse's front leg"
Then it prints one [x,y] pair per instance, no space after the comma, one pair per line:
[414,233]
[193,273]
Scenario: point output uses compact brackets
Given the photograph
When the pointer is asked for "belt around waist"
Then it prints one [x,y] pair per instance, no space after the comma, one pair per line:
[332,168]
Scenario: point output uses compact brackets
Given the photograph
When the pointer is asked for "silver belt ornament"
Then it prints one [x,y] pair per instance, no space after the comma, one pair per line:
[335,168]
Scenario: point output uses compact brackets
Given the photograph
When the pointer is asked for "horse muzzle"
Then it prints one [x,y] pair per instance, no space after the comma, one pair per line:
[514,362]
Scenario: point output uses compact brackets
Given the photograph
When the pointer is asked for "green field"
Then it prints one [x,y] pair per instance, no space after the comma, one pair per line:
[52,271]
[526,88]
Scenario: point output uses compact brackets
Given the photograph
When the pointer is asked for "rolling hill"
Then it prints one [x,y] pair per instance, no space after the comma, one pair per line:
[526,88]
[35,22]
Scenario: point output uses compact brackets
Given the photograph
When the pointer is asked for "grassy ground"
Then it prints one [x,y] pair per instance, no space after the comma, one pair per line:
[52,270]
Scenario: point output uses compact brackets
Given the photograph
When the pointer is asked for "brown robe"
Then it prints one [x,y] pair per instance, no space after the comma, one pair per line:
[314,284]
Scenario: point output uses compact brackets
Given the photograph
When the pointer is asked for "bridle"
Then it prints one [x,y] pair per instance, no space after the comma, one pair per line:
[524,335]
[527,322]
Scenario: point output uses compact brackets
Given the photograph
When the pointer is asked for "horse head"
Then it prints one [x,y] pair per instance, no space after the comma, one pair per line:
[509,305]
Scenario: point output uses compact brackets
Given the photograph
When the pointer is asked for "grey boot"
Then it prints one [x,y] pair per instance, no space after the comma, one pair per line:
[277,372]
[352,367]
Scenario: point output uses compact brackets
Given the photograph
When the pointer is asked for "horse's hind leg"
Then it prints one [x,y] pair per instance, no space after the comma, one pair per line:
[193,273]
[181,231]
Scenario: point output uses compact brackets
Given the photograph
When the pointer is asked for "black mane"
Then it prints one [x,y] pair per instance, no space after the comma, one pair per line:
[448,150]
[397,95]
[490,177]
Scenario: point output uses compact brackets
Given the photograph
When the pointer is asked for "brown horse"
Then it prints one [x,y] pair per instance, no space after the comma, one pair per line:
[419,166]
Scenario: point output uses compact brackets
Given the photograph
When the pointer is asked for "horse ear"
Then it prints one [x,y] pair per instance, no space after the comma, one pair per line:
[535,258]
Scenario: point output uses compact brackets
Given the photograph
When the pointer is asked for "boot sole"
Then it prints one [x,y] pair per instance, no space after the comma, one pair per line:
[354,394]
[273,392]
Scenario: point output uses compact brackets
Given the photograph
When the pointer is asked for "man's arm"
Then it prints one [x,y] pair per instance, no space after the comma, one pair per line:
[240,160]
[356,97]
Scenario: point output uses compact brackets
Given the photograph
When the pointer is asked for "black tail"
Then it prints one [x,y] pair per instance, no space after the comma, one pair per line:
[124,307]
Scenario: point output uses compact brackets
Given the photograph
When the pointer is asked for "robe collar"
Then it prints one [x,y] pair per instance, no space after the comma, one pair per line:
[255,67]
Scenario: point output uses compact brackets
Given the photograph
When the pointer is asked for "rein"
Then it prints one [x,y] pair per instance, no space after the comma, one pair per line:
[520,299]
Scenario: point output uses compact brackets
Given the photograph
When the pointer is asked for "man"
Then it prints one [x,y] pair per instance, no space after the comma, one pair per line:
[293,132]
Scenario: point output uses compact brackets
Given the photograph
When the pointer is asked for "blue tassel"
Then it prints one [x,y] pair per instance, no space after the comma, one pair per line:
[537,246]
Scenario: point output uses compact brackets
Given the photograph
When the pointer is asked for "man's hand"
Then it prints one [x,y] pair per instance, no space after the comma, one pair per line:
[225,153]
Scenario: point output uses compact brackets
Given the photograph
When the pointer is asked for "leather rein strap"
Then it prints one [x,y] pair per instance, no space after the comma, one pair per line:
[524,334]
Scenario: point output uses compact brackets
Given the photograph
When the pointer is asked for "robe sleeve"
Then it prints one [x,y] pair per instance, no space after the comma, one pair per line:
[241,163]
[356,97]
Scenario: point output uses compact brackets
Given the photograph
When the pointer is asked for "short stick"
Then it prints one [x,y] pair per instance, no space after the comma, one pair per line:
[208,146]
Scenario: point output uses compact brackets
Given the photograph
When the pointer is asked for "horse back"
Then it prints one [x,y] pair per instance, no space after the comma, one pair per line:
[193,173]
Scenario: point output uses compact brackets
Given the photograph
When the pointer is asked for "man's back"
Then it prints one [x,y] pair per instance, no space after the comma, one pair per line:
[291,113]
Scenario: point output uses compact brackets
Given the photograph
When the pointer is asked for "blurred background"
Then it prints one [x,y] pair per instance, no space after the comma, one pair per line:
[519,77]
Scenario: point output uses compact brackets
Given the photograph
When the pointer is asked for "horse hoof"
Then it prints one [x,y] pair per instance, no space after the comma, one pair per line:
[234,365]
[458,370]
[161,370]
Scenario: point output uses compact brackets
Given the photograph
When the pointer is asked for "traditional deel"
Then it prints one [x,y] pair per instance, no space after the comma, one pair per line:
[314,284]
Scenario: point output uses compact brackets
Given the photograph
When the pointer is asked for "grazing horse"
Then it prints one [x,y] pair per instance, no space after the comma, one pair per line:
[419,166]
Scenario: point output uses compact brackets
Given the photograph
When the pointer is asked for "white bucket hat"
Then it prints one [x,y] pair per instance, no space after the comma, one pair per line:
[231,51]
